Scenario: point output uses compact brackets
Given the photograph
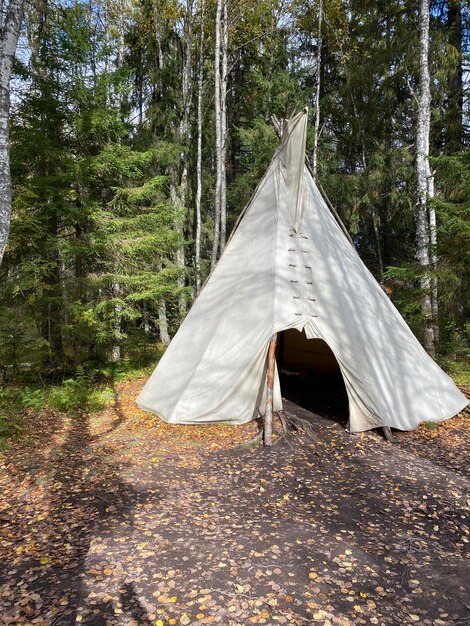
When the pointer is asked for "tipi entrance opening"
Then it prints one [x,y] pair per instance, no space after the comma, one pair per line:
[310,375]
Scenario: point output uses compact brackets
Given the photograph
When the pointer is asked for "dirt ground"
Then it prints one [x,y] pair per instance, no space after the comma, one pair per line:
[120,519]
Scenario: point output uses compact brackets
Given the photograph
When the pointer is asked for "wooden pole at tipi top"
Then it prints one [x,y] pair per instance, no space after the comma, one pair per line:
[268,415]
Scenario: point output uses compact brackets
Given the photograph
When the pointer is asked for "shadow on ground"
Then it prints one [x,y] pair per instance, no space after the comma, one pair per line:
[324,528]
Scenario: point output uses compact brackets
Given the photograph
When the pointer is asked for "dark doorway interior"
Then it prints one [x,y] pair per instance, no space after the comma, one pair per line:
[310,375]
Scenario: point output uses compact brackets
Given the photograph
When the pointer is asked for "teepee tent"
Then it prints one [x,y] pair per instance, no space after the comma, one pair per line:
[290,266]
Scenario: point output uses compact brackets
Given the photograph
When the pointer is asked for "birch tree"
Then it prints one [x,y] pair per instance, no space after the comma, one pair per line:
[179,187]
[220,97]
[317,90]
[11,15]
[223,127]
[425,223]
[200,93]
[218,130]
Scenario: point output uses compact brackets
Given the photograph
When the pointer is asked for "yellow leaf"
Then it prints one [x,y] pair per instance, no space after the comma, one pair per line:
[172,599]
[159,622]
[44,560]
[363,595]
[200,616]
[357,608]
[313,575]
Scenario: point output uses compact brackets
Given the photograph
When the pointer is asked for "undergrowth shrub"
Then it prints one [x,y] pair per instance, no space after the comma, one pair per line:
[80,394]
[10,416]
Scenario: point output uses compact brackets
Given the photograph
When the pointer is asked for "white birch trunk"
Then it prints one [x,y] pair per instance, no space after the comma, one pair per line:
[422,172]
[163,323]
[317,91]
[223,129]
[218,132]
[200,91]
[179,190]
[9,33]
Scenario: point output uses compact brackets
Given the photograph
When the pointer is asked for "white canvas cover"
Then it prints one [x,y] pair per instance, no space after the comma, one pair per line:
[289,265]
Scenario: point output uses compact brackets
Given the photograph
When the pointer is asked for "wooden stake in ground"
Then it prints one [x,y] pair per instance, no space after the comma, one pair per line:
[268,415]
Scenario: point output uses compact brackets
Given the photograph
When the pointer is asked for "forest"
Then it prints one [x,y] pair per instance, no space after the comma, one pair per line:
[138,131]
[132,135]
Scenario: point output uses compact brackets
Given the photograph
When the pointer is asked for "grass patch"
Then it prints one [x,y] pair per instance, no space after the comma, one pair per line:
[458,369]
[91,388]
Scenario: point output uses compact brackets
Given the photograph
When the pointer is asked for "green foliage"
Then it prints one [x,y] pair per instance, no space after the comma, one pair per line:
[10,416]
[76,394]
[34,399]
[13,403]
[101,253]
[458,364]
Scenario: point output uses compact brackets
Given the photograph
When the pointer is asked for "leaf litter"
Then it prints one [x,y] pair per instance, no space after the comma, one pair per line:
[118,518]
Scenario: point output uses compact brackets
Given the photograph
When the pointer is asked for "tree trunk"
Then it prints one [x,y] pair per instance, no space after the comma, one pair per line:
[163,322]
[218,132]
[200,91]
[423,176]
[223,129]
[145,318]
[317,91]
[52,307]
[9,32]
[433,255]
[179,190]
[116,348]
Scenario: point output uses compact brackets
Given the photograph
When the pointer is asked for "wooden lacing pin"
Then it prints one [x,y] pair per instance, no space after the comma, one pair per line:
[309,267]
[295,281]
[296,297]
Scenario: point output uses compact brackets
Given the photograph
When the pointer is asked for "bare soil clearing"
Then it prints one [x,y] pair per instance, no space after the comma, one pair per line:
[117,518]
